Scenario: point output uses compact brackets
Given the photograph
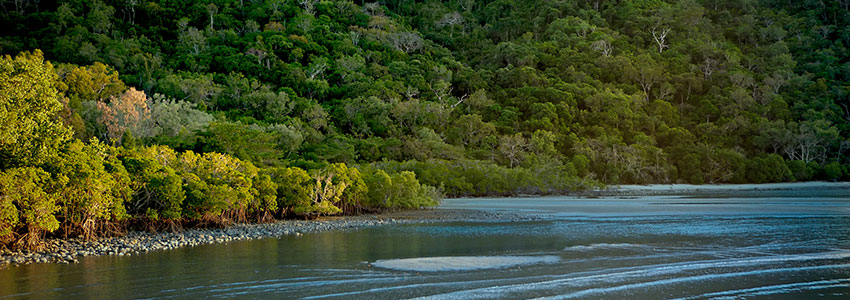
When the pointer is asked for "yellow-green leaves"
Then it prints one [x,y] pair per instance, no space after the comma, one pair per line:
[25,200]
[90,193]
[30,132]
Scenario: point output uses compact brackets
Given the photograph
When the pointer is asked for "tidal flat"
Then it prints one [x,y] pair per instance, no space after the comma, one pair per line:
[724,244]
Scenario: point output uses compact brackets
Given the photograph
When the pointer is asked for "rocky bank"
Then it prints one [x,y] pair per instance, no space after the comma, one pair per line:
[137,242]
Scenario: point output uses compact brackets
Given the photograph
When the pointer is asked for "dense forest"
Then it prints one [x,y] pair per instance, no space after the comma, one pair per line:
[181,112]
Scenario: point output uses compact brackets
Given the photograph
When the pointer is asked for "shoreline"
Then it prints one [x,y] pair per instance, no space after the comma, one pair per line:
[63,251]
[636,190]
[674,189]
[57,250]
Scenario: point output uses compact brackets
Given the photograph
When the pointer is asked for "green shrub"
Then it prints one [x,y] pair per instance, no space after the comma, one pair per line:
[157,187]
[265,194]
[93,186]
[294,186]
[399,190]
[768,168]
[832,171]
[27,205]
[799,170]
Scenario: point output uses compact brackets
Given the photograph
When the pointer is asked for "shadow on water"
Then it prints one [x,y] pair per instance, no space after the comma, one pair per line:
[648,247]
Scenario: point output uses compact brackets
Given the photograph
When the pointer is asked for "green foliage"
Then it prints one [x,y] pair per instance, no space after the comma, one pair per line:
[799,170]
[260,106]
[640,90]
[265,193]
[479,178]
[355,189]
[399,190]
[93,187]
[833,171]
[158,189]
[247,142]
[30,132]
[769,168]
[174,118]
[27,202]
[223,183]
[294,186]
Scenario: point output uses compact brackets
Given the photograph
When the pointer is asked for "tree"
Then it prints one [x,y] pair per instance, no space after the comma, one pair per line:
[199,89]
[379,184]
[128,112]
[406,41]
[130,10]
[354,189]
[266,105]
[294,186]
[323,194]
[93,190]
[30,131]
[90,83]
[470,130]
[808,141]
[158,189]
[308,6]
[478,102]
[26,200]
[173,118]
[247,142]
[190,39]
[100,17]
[451,20]
[513,148]
[265,195]
[212,9]
[604,47]
[660,37]
[647,73]
[832,171]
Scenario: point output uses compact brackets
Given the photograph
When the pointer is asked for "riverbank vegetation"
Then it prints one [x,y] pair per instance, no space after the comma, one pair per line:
[171,113]
[54,183]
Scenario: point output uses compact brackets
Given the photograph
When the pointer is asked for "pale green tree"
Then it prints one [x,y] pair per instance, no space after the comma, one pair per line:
[30,131]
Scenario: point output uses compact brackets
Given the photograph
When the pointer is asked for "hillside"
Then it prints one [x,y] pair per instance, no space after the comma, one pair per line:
[454,97]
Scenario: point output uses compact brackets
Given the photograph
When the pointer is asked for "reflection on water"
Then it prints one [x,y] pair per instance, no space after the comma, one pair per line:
[755,245]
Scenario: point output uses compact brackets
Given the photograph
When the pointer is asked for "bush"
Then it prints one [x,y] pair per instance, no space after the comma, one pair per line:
[93,186]
[768,168]
[399,190]
[294,186]
[832,171]
[799,170]
[265,195]
[158,188]
[483,178]
[26,205]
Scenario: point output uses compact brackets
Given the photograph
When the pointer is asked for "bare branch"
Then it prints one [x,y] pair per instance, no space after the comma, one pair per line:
[660,37]
[604,46]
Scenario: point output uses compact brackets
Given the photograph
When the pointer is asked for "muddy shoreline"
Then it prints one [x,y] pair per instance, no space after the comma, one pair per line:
[679,189]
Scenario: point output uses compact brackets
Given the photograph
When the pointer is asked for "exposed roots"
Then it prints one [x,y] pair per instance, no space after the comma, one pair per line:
[31,240]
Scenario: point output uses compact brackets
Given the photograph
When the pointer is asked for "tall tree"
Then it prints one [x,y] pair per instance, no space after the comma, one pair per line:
[30,130]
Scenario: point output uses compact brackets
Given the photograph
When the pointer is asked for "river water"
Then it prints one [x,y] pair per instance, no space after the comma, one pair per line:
[735,245]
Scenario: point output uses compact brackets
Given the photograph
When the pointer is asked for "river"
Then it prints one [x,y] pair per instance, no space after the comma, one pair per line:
[712,245]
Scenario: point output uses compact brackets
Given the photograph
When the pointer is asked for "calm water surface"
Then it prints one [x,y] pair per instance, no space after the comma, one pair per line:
[753,245]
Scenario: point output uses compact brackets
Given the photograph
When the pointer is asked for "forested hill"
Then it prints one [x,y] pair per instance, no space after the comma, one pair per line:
[475,97]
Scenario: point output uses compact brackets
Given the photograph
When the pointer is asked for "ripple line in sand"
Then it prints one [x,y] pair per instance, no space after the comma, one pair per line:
[647,271]
[679,280]
[774,289]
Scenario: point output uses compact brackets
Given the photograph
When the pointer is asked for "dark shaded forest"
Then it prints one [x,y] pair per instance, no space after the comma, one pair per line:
[182,112]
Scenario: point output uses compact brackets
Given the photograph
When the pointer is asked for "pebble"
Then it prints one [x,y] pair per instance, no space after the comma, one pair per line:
[70,250]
